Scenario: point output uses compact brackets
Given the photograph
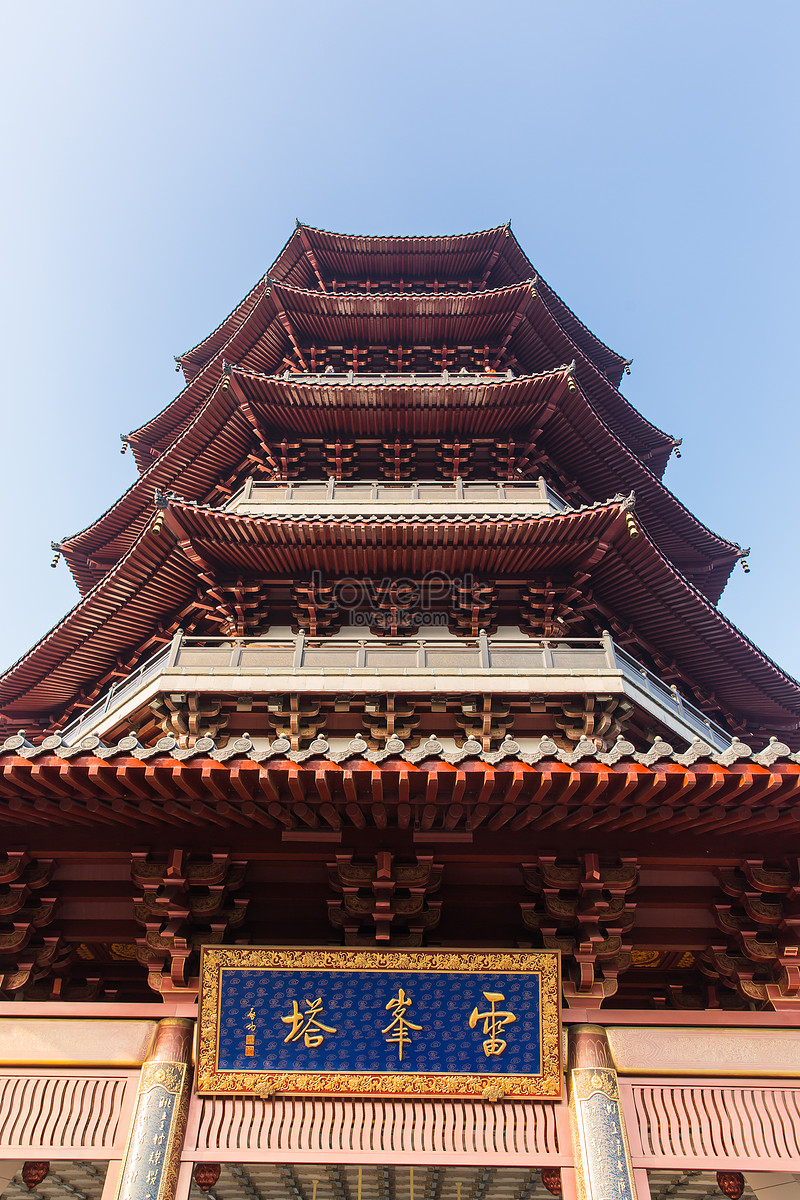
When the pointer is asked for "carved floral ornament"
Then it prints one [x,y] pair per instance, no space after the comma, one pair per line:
[206,1175]
[586,1081]
[34,1173]
[166,1075]
[551,1178]
[730,1183]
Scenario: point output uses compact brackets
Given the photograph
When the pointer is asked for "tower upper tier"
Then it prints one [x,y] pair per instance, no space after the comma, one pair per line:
[471,303]
[437,383]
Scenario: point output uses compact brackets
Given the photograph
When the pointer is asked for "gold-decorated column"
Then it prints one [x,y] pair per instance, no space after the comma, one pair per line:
[600,1144]
[153,1153]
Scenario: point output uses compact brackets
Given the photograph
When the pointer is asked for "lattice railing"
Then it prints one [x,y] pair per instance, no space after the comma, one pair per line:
[747,1126]
[392,1131]
[85,1114]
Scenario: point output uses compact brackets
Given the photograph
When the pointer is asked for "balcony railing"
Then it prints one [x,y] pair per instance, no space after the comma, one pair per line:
[519,664]
[533,495]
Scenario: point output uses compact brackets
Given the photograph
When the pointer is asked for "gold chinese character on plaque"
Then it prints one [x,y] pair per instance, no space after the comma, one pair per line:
[306,1025]
[494,1022]
[398,1027]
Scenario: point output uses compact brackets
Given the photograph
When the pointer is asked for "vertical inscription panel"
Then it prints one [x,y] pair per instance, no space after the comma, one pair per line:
[154,1145]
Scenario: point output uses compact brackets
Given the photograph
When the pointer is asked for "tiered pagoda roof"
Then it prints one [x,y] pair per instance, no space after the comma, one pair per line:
[378,411]
[247,411]
[522,325]
[317,259]
[630,578]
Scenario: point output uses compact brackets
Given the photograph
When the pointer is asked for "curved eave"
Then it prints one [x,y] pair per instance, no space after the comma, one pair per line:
[542,335]
[489,257]
[332,311]
[627,574]
[583,444]
[520,312]
[214,444]
[118,615]
[192,361]
[602,462]
[255,339]
[580,442]
[157,576]
[218,438]
[261,341]
[448,257]
[457,253]
[612,364]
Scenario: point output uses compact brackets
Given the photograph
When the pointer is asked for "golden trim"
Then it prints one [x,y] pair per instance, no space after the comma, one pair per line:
[96,1042]
[546,963]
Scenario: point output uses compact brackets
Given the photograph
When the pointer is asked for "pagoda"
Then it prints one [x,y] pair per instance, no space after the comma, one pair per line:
[399,640]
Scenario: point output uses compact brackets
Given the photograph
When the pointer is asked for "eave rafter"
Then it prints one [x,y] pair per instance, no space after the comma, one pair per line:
[289,329]
[309,253]
[231,383]
[433,797]
[494,255]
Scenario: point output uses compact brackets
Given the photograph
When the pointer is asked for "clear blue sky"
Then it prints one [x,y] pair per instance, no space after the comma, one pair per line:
[156,155]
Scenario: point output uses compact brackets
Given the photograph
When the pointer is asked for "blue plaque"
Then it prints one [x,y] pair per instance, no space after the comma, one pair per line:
[417,1022]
